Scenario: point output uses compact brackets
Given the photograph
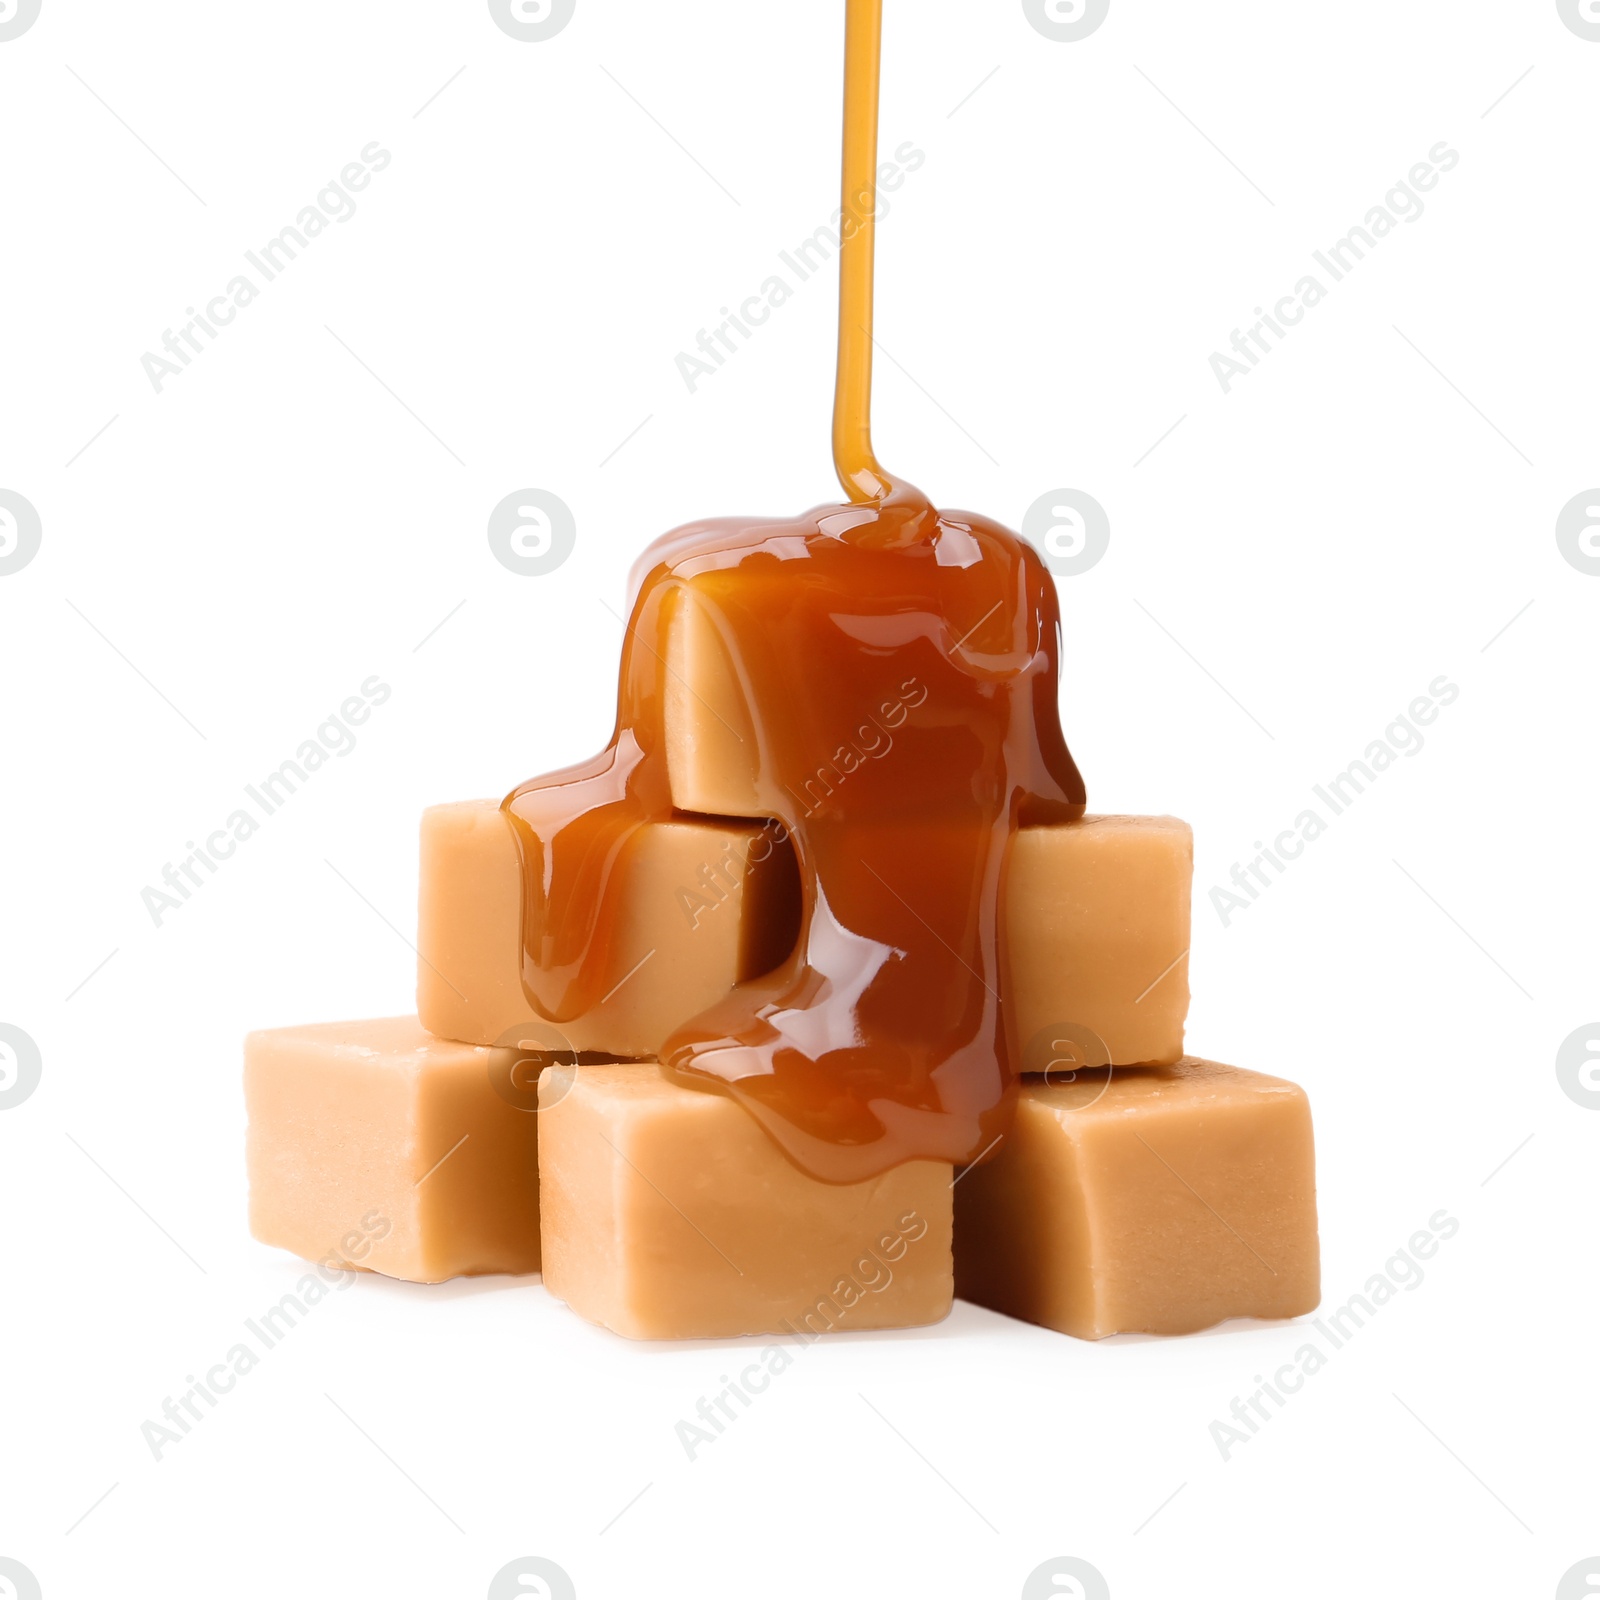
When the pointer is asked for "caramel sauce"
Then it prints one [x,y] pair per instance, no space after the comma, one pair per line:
[934,635]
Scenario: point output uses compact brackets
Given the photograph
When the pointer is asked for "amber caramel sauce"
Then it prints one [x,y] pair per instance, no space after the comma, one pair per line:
[881,1039]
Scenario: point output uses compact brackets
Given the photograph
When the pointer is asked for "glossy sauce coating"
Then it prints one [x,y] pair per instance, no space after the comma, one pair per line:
[881,1039]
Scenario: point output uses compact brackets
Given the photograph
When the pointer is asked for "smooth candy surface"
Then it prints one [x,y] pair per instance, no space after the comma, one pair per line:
[669,1214]
[373,1145]
[1145,1200]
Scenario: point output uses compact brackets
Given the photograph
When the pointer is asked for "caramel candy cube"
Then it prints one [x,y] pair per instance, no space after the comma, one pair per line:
[1097,925]
[669,1214]
[1097,911]
[1145,1200]
[713,753]
[1097,937]
[709,905]
[375,1146]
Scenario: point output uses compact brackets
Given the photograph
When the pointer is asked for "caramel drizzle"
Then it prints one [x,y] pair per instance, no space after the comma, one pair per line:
[882,1038]
[853,459]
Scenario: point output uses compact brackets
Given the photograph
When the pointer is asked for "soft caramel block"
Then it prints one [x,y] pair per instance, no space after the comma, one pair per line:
[710,904]
[669,1214]
[374,1145]
[1097,929]
[1097,937]
[713,754]
[1145,1200]
[1097,911]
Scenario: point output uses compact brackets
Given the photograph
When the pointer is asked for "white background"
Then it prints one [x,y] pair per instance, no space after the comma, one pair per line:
[229,559]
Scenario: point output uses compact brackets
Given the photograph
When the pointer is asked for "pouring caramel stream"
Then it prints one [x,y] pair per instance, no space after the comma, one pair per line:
[882,1038]
[863,479]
